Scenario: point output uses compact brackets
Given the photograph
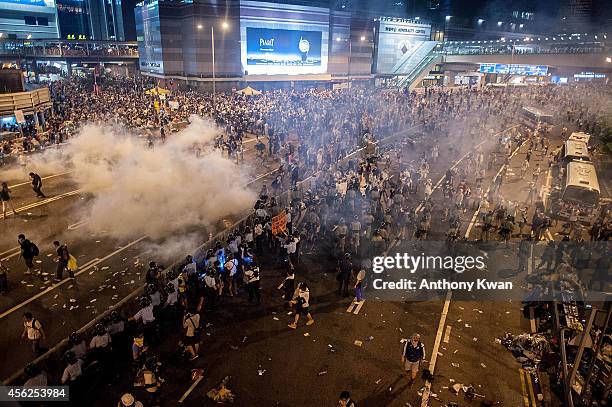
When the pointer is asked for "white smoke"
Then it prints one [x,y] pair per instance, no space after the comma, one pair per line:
[155,192]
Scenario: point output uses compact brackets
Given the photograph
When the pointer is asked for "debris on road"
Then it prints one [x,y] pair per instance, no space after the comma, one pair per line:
[358,343]
[221,394]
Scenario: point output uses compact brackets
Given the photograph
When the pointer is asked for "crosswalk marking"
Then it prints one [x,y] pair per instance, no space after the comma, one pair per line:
[355,307]
[524,388]
[527,386]
[447,334]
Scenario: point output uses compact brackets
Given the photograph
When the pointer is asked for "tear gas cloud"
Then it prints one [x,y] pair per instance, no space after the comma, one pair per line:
[136,190]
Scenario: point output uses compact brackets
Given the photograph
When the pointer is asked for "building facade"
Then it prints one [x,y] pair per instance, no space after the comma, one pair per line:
[30,19]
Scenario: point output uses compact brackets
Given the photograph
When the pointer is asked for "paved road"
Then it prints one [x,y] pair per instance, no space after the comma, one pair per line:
[109,269]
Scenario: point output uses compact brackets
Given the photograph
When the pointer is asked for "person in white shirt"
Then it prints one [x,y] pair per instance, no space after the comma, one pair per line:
[73,368]
[301,299]
[231,270]
[251,279]
[101,340]
[33,331]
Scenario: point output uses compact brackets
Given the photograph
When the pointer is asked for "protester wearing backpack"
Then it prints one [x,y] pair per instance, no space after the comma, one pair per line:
[412,355]
[28,251]
[33,331]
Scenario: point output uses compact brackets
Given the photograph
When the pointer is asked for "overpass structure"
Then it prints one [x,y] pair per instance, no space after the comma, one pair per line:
[68,51]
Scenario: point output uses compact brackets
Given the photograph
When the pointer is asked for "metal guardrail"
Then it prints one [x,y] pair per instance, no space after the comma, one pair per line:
[128,305]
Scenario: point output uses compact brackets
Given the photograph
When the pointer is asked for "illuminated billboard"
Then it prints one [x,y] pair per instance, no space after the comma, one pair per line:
[397,40]
[283,39]
[39,3]
[283,47]
[514,69]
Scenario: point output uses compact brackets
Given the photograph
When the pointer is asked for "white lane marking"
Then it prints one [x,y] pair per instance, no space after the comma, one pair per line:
[447,334]
[420,207]
[47,177]
[10,250]
[436,347]
[190,389]
[81,271]
[44,201]
[77,225]
[10,256]
[475,216]
[258,178]
[358,307]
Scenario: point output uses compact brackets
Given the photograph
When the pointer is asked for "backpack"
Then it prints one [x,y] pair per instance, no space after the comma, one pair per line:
[34,249]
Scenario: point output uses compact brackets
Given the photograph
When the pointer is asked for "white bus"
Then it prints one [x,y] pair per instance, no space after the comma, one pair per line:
[573,150]
[533,116]
[580,136]
[580,192]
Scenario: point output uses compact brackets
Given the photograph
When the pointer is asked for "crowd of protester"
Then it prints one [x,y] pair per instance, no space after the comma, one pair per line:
[359,203]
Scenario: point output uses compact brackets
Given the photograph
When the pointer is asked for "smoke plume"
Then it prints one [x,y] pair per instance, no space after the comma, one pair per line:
[156,192]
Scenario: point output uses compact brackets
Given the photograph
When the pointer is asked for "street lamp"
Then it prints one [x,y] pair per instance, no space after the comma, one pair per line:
[224,26]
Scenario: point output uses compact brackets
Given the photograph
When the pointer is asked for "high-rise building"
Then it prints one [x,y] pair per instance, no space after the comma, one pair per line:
[96,19]
[28,19]
[576,15]
[73,17]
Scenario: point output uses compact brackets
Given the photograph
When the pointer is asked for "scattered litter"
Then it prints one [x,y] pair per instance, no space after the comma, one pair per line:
[455,364]
[50,254]
[457,387]
[221,394]
[73,307]
[275,318]
[38,261]
[483,365]
[244,339]
[440,354]
[44,274]
[72,300]
[30,285]
[70,286]
[477,310]
[105,268]
[91,272]
[322,373]
[401,330]
[475,339]
[358,343]
[94,300]
[306,334]
[369,338]
[456,350]
[468,325]
[261,371]
[97,241]
[23,282]
[378,381]
[234,347]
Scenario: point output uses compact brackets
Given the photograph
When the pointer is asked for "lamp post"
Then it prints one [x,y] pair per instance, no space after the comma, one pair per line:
[224,26]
